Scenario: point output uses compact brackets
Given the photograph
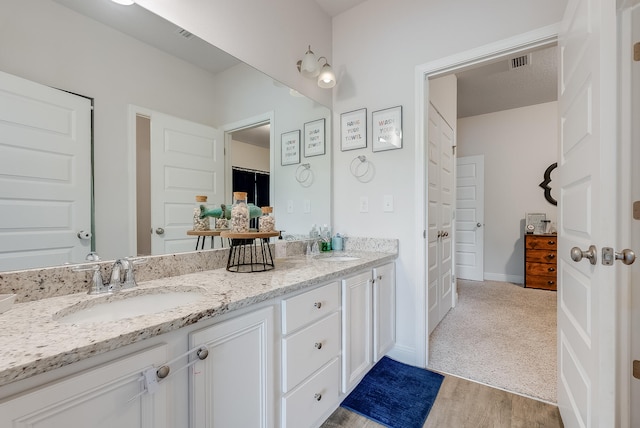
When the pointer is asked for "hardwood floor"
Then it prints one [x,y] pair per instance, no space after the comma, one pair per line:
[465,404]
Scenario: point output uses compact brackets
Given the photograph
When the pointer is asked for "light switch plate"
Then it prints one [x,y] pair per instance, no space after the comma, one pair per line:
[290,206]
[364,204]
[387,204]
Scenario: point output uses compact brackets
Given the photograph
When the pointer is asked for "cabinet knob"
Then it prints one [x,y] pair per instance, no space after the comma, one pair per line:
[318,345]
[551,242]
[202,353]
[317,305]
[163,372]
[552,269]
[552,256]
[318,396]
[551,282]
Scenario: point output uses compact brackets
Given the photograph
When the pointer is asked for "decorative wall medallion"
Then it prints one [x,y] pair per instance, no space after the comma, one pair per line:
[546,182]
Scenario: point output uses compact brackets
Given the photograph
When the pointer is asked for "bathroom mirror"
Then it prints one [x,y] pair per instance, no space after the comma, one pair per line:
[126,59]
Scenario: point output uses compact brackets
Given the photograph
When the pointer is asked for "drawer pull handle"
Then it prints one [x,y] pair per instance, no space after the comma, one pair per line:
[318,396]
[552,269]
[552,256]
[318,345]
[551,282]
[551,242]
[317,305]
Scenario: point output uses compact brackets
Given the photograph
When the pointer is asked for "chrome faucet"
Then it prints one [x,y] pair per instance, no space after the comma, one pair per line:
[117,282]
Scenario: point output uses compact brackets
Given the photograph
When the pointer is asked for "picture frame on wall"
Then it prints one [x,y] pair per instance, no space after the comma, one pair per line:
[353,130]
[290,148]
[386,126]
[314,138]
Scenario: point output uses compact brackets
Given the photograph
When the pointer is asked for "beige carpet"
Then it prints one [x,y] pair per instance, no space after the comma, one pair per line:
[502,335]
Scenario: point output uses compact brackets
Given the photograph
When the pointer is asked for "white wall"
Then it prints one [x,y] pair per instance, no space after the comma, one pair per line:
[249,156]
[268,35]
[518,145]
[443,94]
[376,48]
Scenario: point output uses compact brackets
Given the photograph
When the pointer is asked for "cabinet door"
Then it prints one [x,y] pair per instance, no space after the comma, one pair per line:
[233,386]
[356,329]
[104,397]
[384,309]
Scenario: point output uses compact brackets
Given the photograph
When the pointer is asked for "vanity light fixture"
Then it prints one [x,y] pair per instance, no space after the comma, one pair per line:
[309,67]
[124,2]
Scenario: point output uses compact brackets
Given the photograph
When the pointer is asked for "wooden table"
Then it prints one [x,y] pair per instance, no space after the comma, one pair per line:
[249,251]
[203,234]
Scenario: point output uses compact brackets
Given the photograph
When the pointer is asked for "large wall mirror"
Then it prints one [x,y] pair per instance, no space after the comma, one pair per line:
[144,77]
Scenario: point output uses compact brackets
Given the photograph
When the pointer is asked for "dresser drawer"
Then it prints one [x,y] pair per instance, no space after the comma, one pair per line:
[309,349]
[541,242]
[545,282]
[541,269]
[313,399]
[305,308]
[541,256]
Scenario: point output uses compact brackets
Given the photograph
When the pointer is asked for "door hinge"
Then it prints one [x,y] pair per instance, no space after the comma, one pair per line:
[636,51]
[424,234]
[453,150]
[636,369]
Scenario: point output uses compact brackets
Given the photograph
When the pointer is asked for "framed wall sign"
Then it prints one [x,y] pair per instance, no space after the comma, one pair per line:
[314,138]
[290,147]
[353,130]
[386,128]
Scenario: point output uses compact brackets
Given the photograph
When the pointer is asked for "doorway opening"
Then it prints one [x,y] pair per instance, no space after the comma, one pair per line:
[488,56]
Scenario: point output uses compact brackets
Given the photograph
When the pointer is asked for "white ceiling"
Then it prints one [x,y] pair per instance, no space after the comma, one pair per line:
[336,7]
[496,87]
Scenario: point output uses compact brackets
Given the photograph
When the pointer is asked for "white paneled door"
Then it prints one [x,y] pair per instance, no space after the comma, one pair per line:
[45,175]
[439,218]
[187,159]
[470,217]
[587,304]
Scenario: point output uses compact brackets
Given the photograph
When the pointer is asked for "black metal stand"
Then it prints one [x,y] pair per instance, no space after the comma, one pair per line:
[250,255]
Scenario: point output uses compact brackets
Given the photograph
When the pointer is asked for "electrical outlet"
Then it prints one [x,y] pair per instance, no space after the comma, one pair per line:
[364,204]
[307,206]
[387,205]
[290,206]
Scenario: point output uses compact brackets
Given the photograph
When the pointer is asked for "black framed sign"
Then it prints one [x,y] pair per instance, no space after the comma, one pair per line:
[386,129]
[353,130]
[290,148]
[314,138]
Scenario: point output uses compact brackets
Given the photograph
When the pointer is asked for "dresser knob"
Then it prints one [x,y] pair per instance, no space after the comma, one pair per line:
[318,396]
[551,282]
[317,305]
[552,269]
[551,242]
[552,256]
[318,345]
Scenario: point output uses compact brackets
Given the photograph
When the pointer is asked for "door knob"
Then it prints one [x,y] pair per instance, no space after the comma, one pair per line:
[478,224]
[626,256]
[577,254]
[160,231]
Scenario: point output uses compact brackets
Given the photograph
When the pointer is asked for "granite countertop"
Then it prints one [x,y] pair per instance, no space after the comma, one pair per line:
[34,340]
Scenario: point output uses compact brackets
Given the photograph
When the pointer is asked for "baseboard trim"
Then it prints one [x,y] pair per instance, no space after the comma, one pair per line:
[515,279]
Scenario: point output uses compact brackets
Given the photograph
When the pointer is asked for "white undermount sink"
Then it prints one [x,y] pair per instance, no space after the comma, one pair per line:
[338,258]
[127,305]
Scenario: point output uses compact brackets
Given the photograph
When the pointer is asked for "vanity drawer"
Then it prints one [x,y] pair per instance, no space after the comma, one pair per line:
[309,349]
[313,399]
[310,306]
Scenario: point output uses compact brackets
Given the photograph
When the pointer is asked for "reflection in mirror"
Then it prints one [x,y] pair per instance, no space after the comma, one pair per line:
[133,67]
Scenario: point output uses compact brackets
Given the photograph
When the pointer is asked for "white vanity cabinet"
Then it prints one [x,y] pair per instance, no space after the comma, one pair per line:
[104,397]
[310,356]
[234,386]
[368,321]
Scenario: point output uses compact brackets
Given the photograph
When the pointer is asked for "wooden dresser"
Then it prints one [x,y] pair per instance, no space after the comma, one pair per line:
[540,262]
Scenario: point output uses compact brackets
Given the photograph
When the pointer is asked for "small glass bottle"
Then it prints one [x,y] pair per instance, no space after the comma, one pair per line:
[200,224]
[239,213]
[267,222]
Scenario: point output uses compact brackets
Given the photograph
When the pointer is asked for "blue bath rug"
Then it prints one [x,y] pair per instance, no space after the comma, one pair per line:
[395,395]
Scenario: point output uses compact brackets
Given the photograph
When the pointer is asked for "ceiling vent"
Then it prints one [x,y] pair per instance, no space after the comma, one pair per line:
[184,33]
[520,61]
